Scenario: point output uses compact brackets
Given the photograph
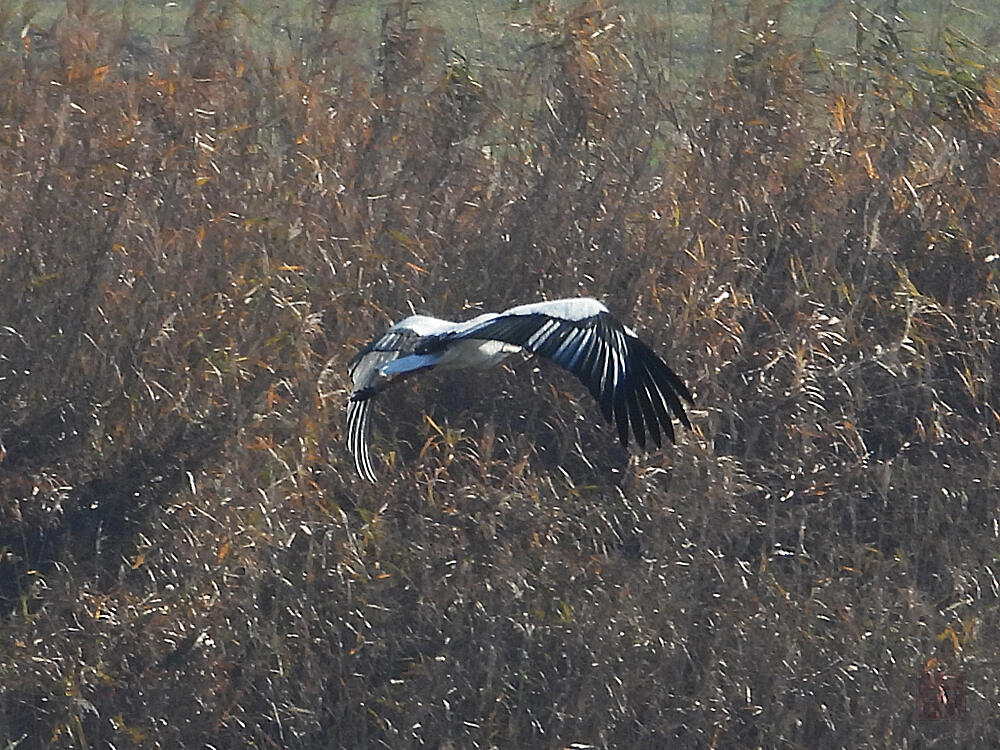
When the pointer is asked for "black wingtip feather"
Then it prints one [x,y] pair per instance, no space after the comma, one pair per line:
[621,414]
[649,410]
[635,414]
[358,418]
[670,386]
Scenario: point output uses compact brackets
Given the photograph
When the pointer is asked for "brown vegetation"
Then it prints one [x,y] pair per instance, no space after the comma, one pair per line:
[194,243]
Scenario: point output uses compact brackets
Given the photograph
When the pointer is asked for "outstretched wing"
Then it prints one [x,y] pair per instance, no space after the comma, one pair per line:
[368,374]
[634,387]
[358,427]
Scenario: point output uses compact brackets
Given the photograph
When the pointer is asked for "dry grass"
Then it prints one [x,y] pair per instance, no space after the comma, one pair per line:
[189,258]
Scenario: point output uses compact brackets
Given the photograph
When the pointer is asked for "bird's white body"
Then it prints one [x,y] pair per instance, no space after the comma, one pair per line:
[477,354]
[630,382]
[464,352]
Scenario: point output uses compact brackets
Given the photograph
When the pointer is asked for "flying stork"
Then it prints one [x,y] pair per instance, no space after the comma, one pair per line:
[633,386]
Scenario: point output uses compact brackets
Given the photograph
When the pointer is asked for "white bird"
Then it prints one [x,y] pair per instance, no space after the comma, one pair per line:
[630,382]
